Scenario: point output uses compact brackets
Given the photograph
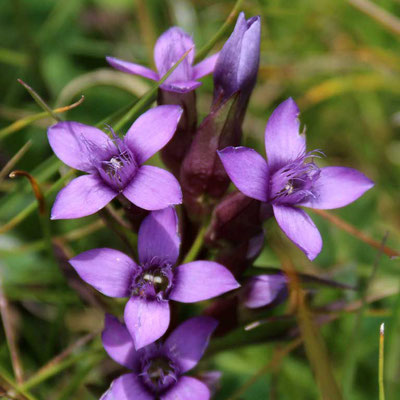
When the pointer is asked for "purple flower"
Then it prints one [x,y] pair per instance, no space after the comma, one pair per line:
[263,290]
[169,48]
[290,178]
[157,369]
[238,61]
[154,281]
[115,165]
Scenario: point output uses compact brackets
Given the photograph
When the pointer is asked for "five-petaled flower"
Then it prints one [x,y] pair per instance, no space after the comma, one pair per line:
[169,48]
[154,281]
[157,369]
[290,178]
[115,165]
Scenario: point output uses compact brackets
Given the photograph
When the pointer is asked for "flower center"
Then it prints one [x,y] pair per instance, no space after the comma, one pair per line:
[119,169]
[294,182]
[152,282]
[159,374]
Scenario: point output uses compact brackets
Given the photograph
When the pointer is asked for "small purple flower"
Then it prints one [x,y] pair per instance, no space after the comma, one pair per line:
[157,369]
[115,165]
[237,65]
[169,48]
[154,281]
[262,290]
[290,178]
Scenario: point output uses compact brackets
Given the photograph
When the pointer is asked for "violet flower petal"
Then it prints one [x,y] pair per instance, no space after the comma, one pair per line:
[169,48]
[152,131]
[336,187]
[181,86]
[153,188]
[248,171]
[83,196]
[131,68]
[299,228]
[205,67]
[127,387]
[189,340]
[118,342]
[73,142]
[146,320]
[159,237]
[201,280]
[262,290]
[283,141]
[187,388]
[107,270]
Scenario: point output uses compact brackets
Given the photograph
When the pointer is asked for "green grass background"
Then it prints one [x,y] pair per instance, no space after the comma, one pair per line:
[343,69]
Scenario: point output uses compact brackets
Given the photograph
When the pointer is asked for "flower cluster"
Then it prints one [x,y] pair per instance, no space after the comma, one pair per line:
[203,161]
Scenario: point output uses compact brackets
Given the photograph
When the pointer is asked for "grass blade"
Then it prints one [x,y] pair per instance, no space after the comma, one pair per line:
[39,100]
[381,361]
[202,53]
[17,156]
[23,122]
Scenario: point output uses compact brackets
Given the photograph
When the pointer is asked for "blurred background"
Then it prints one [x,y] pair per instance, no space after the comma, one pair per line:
[339,60]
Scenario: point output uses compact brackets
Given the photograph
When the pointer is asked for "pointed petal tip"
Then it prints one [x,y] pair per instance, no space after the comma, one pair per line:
[300,229]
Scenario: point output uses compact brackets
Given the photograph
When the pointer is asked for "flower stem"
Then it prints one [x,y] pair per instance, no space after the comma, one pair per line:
[197,244]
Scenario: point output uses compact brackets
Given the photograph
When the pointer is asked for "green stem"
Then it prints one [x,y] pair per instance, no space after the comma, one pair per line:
[351,359]
[48,373]
[197,244]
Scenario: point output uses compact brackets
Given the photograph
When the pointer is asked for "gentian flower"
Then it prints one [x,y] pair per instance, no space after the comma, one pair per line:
[263,290]
[154,281]
[157,369]
[290,178]
[169,48]
[115,165]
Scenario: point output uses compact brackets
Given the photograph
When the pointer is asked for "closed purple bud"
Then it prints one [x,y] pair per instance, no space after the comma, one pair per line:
[237,65]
